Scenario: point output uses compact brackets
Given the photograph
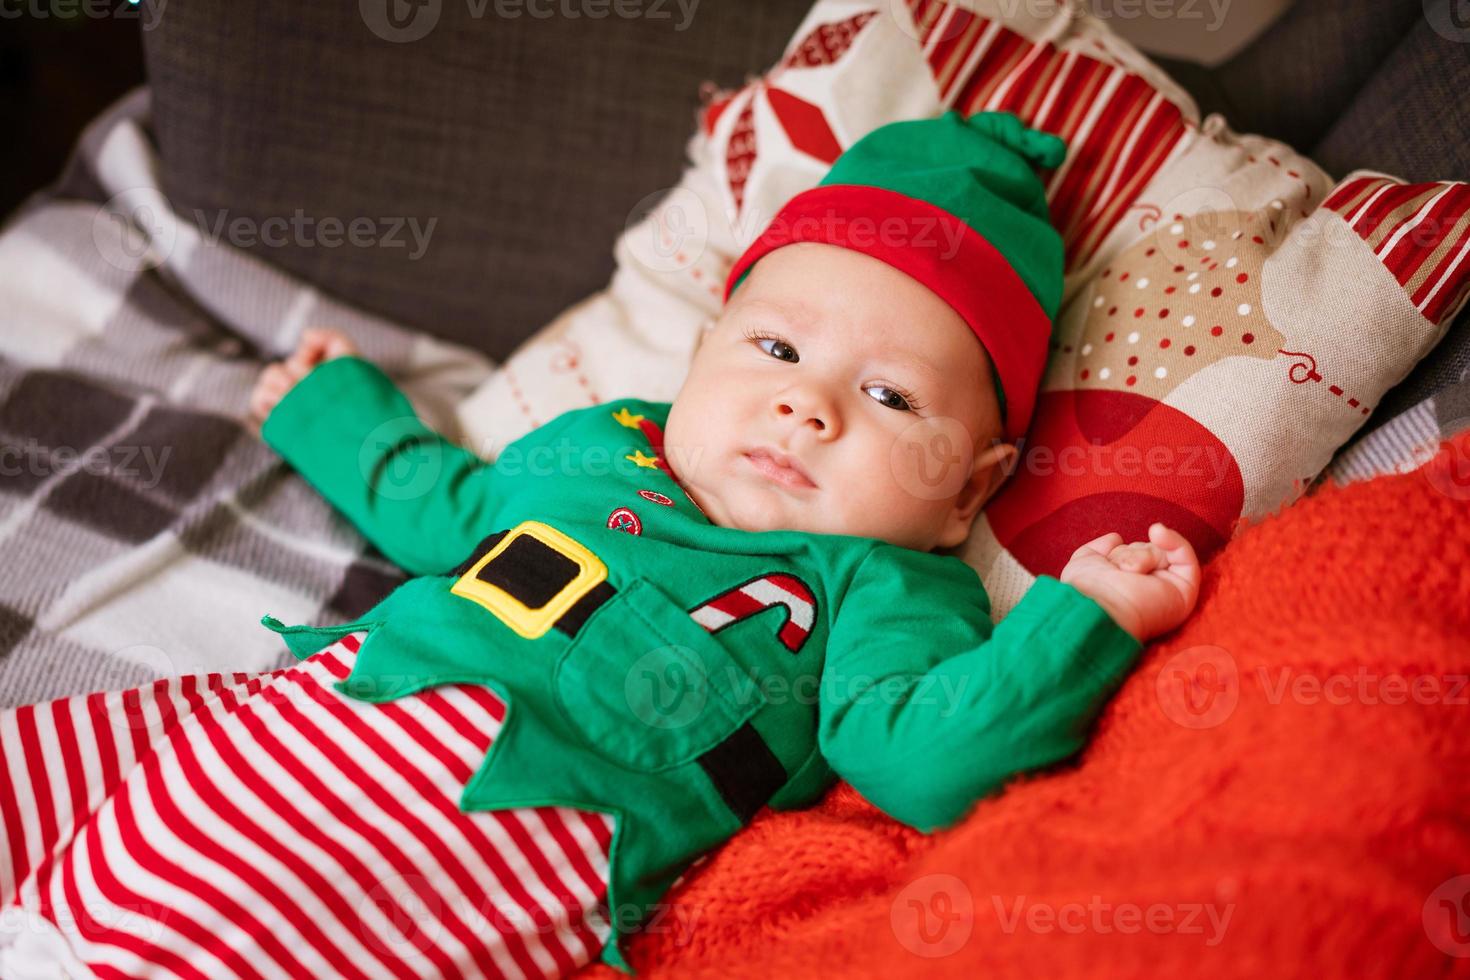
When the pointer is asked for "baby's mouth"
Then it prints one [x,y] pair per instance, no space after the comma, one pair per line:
[780,468]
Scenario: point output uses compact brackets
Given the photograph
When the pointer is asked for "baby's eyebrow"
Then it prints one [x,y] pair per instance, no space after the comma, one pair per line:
[928,374]
[793,311]
[799,313]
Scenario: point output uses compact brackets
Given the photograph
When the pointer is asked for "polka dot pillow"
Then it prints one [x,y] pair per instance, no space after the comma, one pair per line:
[1231,314]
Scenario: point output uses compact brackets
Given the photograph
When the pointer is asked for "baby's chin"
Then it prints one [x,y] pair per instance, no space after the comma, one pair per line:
[758,515]
[751,511]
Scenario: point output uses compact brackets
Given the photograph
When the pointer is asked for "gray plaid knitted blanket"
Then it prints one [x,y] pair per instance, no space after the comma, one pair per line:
[144,527]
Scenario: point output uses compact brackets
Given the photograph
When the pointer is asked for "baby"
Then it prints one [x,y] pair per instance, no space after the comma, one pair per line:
[658,618]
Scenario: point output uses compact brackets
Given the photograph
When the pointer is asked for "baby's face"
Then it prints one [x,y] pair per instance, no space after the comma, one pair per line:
[869,382]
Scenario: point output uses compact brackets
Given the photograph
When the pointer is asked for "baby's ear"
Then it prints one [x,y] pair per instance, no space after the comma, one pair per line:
[992,465]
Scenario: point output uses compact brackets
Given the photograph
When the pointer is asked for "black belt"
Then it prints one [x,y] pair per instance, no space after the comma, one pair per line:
[742,767]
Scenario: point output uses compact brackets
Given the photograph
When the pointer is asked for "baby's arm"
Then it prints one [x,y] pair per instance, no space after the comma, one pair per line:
[343,424]
[317,344]
[926,706]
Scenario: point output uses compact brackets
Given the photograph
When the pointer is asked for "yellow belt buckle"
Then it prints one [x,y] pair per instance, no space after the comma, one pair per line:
[532,622]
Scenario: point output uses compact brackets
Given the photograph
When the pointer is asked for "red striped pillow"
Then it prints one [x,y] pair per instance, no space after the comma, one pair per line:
[1119,127]
[1418,232]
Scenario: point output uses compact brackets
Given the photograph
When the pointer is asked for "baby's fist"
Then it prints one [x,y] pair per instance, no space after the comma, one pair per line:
[1147,587]
[317,344]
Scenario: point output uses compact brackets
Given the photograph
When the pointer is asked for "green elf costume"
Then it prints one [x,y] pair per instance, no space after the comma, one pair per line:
[679,675]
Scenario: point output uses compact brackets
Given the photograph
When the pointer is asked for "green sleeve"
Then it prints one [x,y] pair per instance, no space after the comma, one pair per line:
[422,499]
[926,706]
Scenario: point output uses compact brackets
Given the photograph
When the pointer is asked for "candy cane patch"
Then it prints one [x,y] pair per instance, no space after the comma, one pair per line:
[758,595]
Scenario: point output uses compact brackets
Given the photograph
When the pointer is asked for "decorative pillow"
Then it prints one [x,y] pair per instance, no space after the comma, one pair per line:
[1230,315]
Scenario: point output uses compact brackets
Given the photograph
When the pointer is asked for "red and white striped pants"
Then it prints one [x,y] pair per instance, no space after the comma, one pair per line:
[264,825]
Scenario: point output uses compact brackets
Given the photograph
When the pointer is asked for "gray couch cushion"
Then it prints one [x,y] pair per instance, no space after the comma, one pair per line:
[525,140]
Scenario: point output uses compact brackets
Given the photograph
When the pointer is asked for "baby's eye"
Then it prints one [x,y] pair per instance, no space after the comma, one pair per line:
[893,399]
[762,341]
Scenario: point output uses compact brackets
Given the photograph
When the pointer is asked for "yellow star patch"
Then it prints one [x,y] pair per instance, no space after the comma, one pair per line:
[642,460]
[627,418]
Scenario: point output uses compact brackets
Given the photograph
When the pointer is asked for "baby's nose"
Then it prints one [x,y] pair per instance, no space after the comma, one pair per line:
[785,408]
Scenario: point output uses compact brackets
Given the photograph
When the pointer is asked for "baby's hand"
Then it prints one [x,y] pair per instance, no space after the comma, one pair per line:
[317,344]
[1148,587]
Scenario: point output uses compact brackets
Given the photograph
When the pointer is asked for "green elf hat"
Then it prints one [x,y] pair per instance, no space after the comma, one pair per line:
[956,204]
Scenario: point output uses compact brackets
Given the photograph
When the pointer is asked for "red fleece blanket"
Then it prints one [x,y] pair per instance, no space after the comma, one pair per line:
[1280,789]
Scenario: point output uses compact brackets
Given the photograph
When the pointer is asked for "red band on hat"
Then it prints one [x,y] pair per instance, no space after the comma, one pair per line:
[919,239]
